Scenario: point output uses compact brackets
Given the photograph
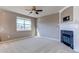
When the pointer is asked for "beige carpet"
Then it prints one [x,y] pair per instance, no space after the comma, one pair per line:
[33,45]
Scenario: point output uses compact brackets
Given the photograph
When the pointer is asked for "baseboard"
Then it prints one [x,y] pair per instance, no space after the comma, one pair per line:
[50,38]
[15,39]
[76,50]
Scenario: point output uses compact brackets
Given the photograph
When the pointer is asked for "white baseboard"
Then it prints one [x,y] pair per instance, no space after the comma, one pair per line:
[50,38]
[76,50]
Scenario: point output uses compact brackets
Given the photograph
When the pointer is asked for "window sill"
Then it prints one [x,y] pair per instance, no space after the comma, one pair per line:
[24,31]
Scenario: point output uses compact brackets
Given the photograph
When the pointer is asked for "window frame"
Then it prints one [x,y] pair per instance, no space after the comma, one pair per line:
[23,18]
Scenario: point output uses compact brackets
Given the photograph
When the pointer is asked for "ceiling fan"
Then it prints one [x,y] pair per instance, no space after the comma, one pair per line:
[33,9]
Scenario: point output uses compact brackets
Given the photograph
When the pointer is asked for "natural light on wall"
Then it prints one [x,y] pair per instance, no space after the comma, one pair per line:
[23,24]
[38,34]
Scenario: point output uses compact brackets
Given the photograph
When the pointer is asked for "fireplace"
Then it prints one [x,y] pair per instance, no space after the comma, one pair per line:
[67,38]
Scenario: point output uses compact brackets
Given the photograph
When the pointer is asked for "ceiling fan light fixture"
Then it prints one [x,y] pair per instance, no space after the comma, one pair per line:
[34,10]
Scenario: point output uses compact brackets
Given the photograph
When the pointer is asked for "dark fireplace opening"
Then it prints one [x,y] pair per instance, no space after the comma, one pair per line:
[67,38]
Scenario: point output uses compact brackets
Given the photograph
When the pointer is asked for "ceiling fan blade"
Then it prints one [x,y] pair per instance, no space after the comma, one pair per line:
[39,10]
[37,13]
[31,12]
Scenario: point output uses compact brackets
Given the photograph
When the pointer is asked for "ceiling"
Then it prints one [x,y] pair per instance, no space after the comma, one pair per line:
[47,10]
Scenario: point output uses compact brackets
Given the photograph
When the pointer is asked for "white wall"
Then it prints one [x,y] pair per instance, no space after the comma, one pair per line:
[76,35]
[48,26]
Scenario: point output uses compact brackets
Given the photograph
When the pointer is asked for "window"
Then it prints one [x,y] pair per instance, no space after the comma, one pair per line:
[23,24]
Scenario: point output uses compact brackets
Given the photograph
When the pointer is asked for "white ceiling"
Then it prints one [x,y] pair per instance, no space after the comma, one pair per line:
[47,10]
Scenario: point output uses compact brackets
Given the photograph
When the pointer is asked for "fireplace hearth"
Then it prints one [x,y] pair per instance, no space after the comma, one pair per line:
[67,38]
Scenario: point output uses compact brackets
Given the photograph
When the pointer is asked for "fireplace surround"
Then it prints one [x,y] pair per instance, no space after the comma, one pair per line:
[67,38]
